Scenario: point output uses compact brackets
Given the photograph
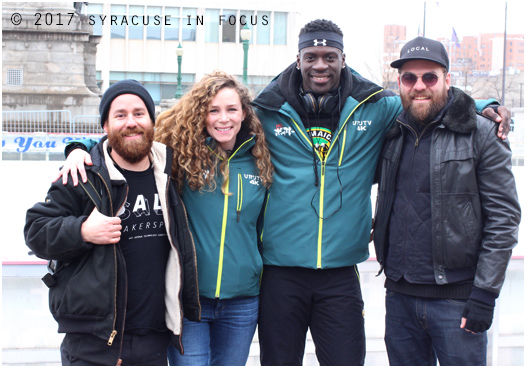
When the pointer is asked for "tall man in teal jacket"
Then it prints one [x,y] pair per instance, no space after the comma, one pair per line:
[325,125]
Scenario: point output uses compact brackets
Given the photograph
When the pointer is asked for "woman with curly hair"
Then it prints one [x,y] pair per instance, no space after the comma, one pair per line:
[222,169]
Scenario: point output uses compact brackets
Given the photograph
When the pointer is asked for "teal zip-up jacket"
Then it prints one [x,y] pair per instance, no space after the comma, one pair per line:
[328,225]
[224,228]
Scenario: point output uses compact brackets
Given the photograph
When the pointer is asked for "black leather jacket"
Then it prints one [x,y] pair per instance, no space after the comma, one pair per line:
[89,290]
[474,203]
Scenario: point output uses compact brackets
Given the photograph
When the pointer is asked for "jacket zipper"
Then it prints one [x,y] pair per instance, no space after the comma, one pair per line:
[223,227]
[114,331]
[168,227]
[264,214]
[320,222]
[343,145]
[119,362]
[239,195]
[417,142]
[323,164]
[222,244]
[195,262]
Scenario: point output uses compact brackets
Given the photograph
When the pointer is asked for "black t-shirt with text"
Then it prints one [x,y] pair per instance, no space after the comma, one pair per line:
[145,247]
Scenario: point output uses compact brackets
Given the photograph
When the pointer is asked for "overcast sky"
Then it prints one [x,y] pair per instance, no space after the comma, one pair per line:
[362,22]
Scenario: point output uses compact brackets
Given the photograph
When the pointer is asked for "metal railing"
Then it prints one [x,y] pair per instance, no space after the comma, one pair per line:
[49,121]
[87,124]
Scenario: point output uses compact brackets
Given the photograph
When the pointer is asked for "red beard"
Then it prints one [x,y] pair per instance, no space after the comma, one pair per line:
[424,115]
[132,151]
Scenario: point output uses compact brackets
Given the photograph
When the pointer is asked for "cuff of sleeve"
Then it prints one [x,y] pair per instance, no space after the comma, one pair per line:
[85,243]
[71,146]
[494,106]
[483,296]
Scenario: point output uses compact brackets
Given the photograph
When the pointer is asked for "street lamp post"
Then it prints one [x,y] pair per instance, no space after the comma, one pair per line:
[246,33]
[179,52]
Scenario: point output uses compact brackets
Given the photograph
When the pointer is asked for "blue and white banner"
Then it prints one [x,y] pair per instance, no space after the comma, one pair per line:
[40,142]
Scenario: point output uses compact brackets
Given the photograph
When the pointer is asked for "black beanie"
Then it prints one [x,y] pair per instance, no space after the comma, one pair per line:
[127,86]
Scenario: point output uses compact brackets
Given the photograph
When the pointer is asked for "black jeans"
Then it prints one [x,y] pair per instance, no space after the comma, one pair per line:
[328,301]
[86,349]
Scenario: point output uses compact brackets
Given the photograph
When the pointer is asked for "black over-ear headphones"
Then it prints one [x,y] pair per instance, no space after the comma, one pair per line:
[322,104]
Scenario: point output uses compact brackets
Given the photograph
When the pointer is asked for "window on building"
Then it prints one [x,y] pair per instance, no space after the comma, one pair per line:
[225,26]
[263,28]
[15,77]
[154,90]
[280,28]
[228,22]
[171,31]
[117,13]
[153,29]
[211,25]
[94,12]
[189,24]
[135,22]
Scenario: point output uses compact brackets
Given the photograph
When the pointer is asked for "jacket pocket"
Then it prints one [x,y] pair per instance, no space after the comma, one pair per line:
[457,172]
[84,288]
[462,234]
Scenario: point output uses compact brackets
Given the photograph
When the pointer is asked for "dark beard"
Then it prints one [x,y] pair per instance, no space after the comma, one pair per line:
[131,151]
[424,117]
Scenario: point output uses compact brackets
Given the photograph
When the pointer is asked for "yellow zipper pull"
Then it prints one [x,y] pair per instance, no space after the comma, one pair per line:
[112,336]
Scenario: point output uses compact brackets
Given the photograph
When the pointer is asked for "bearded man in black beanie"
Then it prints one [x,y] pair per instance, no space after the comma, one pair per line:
[119,244]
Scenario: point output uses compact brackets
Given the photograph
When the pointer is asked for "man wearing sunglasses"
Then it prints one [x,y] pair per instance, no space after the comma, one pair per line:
[447,216]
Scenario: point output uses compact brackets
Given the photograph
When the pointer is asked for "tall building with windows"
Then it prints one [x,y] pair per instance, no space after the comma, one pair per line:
[484,53]
[139,41]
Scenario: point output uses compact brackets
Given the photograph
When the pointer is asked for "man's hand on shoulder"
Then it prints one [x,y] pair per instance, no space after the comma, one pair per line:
[75,162]
[502,116]
[101,229]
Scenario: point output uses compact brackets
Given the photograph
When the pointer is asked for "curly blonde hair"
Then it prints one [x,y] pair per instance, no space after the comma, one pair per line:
[183,128]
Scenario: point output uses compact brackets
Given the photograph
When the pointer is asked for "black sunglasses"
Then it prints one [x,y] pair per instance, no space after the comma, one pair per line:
[429,79]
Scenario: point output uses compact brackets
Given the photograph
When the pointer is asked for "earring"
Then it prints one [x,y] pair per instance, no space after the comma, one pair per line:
[297,67]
